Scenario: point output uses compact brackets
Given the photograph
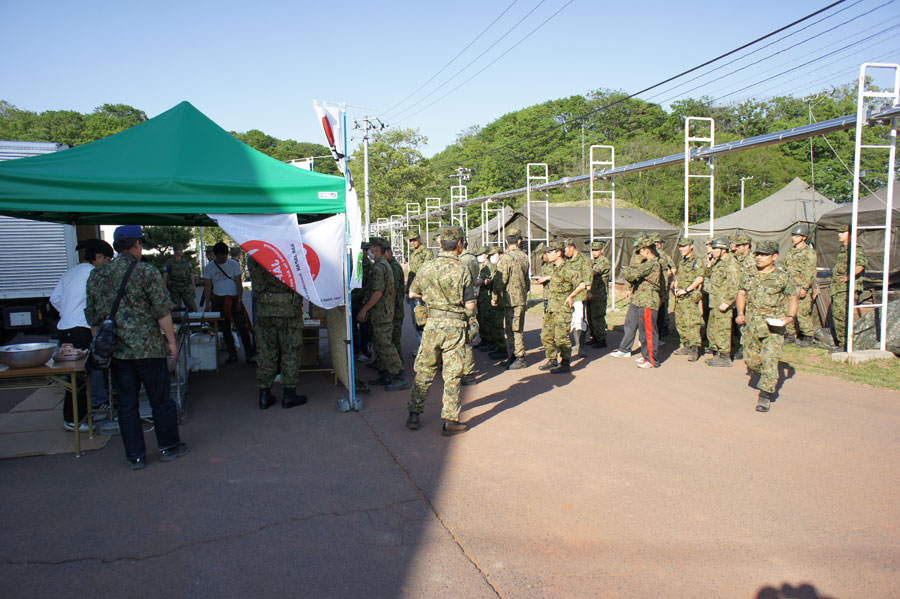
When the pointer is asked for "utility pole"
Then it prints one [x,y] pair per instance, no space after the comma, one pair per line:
[365,124]
[462,174]
[742,189]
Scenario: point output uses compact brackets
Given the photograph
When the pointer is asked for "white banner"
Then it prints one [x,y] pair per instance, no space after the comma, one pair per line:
[331,118]
[307,258]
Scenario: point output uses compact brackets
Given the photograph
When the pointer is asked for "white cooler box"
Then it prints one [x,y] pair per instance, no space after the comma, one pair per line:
[203,352]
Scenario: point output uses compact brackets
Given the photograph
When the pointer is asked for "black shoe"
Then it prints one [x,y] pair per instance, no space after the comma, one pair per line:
[231,359]
[412,422]
[695,354]
[399,383]
[739,354]
[518,364]
[292,400]
[487,347]
[765,399]
[548,365]
[563,367]
[384,380]
[452,427]
[469,379]
[498,355]
[173,453]
[137,463]
[265,399]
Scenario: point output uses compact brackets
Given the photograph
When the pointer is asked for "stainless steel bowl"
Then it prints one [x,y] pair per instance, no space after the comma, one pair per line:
[26,355]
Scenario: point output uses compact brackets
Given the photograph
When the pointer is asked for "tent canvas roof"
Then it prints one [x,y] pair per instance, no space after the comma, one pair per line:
[574,221]
[172,169]
[871,210]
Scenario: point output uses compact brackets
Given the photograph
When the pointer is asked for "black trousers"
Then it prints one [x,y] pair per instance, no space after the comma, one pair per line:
[153,373]
[79,337]
[237,312]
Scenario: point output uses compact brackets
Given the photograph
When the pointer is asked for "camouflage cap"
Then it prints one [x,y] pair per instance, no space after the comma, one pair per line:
[495,249]
[510,231]
[721,243]
[800,229]
[380,242]
[844,228]
[597,245]
[177,246]
[412,235]
[766,247]
[568,241]
[655,237]
[740,239]
[481,249]
[451,233]
[555,245]
[642,242]
[685,241]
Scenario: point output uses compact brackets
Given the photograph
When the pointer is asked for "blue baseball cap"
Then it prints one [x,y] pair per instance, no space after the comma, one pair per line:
[131,231]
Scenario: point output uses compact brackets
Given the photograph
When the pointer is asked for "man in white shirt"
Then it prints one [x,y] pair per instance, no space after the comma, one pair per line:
[69,298]
[224,292]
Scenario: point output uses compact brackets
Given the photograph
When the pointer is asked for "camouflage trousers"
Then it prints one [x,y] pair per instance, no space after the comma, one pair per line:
[762,356]
[498,330]
[805,324]
[597,315]
[397,331]
[484,323]
[183,293]
[278,341]
[718,330]
[440,348]
[689,319]
[560,326]
[385,351]
[547,335]
[514,320]
[471,332]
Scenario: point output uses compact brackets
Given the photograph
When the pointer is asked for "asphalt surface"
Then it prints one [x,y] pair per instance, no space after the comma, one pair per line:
[609,481]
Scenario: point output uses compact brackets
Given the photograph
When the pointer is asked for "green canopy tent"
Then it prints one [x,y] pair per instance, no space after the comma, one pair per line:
[170,170]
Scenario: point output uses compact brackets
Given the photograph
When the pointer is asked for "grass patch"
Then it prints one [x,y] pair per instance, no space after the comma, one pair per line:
[875,373]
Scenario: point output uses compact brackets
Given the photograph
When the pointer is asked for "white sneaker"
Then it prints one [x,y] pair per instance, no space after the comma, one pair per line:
[620,354]
[661,342]
[644,364]
[70,426]
[640,360]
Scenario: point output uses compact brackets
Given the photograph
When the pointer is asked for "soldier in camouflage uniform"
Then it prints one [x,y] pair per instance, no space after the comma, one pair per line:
[770,293]
[801,265]
[668,267]
[448,289]
[547,334]
[566,279]
[382,304]
[418,255]
[601,269]
[688,312]
[840,283]
[645,277]
[510,290]
[397,324]
[144,336]
[723,277]
[495,314]
[358,298]
[470,261]
[582,265]
[279,336]
[178,276]
[485,273]
[745,263]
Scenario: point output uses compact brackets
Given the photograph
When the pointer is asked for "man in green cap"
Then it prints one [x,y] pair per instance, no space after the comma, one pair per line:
[547,334]
[470,261]
[745,263]
[724,278]
[448,289]
[766,304]
[510,290]
[582,265]
[597,302]
[840,283]
[178,276]
[645,277]
[668,268]
[801,265]
[381,305]
[566,281]
[397,323]
[688,284]
[485,273]
[362,336]
[495,314]
[418,255]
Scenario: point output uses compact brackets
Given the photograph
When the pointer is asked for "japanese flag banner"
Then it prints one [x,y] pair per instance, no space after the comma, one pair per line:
[307,258]
[331,119]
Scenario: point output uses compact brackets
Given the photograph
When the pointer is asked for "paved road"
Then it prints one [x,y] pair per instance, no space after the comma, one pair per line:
[607,482]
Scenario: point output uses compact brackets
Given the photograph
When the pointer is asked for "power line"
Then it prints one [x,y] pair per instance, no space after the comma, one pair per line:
[477,37]
[849,70]
[654,86]
[455,75]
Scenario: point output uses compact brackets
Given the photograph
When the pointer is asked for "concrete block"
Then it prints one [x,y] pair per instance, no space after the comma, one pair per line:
[858,357]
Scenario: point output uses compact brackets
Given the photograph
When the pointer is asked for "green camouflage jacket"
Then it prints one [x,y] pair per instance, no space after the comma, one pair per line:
[801,265]
[417,258]
[178,272]
[767,297]
[397,271]
[486,274]
[382,280]
[273,298]
[842,268]
[690,269]
[445,285]
[724,277]
[510,284]
[582,265]
[745,263]
[645,279]
[145,301]
[563,280]
[601,268]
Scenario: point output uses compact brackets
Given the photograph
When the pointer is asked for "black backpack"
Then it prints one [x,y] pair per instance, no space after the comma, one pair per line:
[104,342]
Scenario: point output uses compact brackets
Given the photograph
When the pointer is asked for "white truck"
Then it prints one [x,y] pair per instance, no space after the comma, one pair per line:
[33,257]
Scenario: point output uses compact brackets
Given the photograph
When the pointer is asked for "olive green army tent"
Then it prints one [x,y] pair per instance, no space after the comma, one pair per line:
[173,169]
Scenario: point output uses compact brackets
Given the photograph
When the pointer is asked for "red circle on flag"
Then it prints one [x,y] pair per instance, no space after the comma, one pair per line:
[271,258]
[312,258]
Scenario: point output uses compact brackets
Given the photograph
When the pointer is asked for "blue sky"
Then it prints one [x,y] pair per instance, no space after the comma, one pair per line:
[259,65]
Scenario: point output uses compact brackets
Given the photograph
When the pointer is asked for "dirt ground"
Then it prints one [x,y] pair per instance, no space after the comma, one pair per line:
[609,481]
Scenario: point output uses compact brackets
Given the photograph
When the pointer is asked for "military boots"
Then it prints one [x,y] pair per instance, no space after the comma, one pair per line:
[765,399]
[399,383]
[548,365]
[562,368]
[720,359]
[684,350]
[453,427]
[291,399]
[694,353]
[265,399]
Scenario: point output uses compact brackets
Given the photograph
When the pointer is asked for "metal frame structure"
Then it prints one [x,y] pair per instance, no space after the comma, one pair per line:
[491,209]
[529,179]
[599,194]
[711,177]
[862,96]
[397,244]
[413,209]
[458,196]
[432,208]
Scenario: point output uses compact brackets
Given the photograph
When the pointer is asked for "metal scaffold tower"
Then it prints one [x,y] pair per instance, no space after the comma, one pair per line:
[702,142]
[397,227]
[433,220]
[413,209]
[490,210]
[458,215]
[536,173]
[864,97]
[602,158]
